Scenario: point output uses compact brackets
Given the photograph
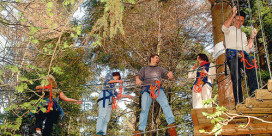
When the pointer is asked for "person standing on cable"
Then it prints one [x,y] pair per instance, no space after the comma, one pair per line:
[54,111]
[150,80]
[237,54]
[205,74]
[106,100]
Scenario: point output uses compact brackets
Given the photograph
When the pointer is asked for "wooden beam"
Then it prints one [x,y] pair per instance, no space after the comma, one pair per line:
[263,94]
[255,103]
[269,85]
[241,108]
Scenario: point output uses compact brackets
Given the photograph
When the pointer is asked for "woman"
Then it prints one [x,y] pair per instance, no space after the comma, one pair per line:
[105,101]
[53,109]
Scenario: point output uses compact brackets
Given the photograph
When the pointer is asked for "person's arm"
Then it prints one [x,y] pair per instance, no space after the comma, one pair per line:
[251,39]
[65,98]
[139,76]
[192,73]
[230,20]
[115,81]
[126,96]
[170,75]
[39,88]
[212,72]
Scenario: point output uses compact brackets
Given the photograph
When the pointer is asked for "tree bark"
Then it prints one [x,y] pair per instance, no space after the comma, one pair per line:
[220,13]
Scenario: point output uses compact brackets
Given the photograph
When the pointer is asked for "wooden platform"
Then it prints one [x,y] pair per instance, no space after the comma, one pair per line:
[259,106]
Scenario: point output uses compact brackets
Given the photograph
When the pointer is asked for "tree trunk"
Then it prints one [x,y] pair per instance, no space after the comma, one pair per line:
[224,83]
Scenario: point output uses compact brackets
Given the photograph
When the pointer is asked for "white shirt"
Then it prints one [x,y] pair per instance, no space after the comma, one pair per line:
[234,40]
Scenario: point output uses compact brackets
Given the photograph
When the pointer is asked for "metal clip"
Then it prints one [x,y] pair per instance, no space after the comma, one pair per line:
[250,107]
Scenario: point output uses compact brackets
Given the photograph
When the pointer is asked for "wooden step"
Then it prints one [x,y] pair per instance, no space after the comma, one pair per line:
[241,108]
[255,103]
[263,94]
[269,85]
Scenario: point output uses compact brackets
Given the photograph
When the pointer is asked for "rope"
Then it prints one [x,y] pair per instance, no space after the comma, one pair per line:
[116,100]
[155,130]
[198,86]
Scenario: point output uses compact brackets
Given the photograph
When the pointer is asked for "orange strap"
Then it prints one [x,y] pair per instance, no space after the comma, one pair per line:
[199,83]
[247,63]
[116,100]
[50,104]
[153,88]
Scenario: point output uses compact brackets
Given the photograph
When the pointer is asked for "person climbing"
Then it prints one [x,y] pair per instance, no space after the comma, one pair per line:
[54,110]
[202,87]
[237,54]
[106,100]
[150,80]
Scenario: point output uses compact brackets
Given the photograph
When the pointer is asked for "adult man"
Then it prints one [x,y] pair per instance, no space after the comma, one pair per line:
[205,74]
[150,78]
[237,49]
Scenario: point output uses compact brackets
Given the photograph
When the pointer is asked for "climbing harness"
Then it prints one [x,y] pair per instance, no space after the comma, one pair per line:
[202,78]
[153,88]
[116,100]
[199,83]
[246,63]
[51,103]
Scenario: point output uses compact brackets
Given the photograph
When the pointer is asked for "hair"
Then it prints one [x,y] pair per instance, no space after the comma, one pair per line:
[52,80]
[116,74]
[203,57]
[241,13]
[152,56]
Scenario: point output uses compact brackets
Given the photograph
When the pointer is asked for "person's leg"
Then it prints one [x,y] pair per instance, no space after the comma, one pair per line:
[197,99]
[102,113]
[107,119]
[236,81]
[251,76]
[39,121]
[145,104]
[206,93]
[163,101]
[51,118]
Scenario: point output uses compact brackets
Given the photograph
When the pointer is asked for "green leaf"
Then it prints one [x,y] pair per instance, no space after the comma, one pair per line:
[202,131]
[49,4]
[44,82]
[57,70]
[35,41]
[43,110]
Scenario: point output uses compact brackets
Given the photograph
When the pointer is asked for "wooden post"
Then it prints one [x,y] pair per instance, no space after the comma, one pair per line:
[220,15]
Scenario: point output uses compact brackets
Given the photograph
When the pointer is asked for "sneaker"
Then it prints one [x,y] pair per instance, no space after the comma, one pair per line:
[100,133]
[37,134]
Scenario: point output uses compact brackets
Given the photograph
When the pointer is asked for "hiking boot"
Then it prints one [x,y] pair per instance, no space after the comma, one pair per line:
[172,130]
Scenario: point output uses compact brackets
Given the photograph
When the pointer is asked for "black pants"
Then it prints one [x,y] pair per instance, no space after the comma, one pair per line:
[51,118]
[251,74]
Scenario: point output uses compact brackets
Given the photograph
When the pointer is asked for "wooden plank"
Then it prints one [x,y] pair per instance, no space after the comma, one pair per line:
[269,85]
[260,128]
[241,108]
[255,103]
[263,94]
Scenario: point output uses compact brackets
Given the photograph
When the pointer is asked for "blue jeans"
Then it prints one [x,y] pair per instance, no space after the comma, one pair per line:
[145,104]
[104,115]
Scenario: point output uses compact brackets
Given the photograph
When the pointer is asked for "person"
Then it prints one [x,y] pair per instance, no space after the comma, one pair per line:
[53,109]
[105,101]
[205,74]
[150,78]
[237,54]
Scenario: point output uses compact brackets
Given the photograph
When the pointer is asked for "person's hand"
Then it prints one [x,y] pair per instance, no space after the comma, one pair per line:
[120,81]
[130,97]
[204,71]
[195,66]
[79,102]
[254,33]
[138,82]
[234,11]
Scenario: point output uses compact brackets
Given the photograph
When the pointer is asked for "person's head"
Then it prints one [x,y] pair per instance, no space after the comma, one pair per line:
[239,19]
[154,58]
[52,81]
[202,57]
[116,76]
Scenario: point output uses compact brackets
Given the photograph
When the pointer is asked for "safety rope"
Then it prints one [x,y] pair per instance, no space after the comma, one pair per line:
[153,88]
[246,63]
[116,100]
[51,103]
[198,86]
